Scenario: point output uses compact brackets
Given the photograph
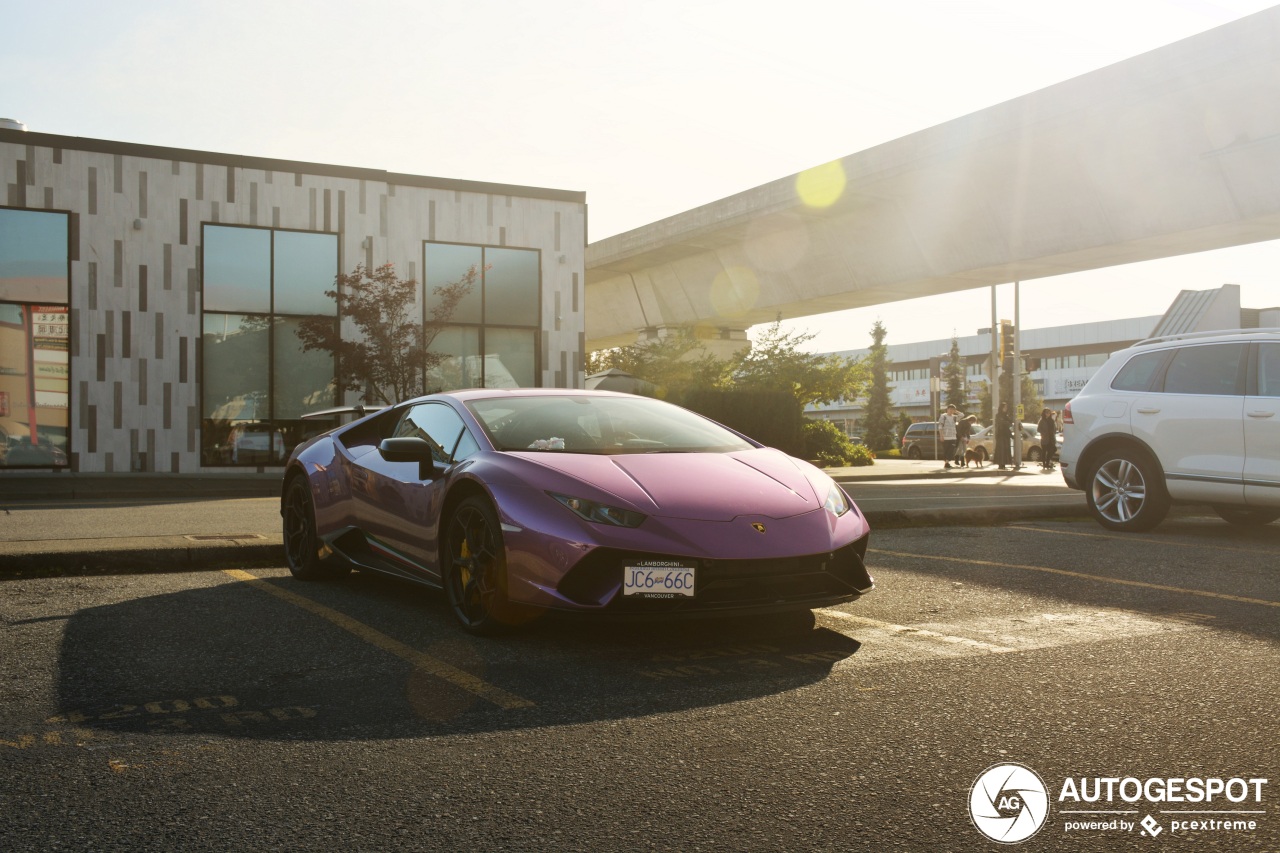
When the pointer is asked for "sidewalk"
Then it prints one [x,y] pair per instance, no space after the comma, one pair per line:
[64,523]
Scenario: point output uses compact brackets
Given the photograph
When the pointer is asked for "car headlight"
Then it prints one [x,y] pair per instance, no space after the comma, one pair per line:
[836,503]
[600,513]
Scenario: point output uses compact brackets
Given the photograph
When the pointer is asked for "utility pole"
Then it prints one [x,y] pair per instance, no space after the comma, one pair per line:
[993,370]
[1017,379]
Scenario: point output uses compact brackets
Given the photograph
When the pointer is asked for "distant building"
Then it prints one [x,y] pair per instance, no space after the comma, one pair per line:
[150,297]
[1065,357]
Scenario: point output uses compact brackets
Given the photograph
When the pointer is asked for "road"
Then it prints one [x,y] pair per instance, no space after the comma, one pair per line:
[241,710]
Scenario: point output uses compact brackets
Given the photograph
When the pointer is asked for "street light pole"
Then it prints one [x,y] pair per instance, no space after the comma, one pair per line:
[1017,378]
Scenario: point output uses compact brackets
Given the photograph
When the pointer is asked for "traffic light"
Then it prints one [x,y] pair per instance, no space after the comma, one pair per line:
[1006,342]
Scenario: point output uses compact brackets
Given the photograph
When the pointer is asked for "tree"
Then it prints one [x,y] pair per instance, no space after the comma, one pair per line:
[391,360]
[675,363]
[775,362]
[954,376]
[877,423]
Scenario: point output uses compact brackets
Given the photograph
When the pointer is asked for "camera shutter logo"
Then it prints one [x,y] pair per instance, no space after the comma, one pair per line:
[1008,803]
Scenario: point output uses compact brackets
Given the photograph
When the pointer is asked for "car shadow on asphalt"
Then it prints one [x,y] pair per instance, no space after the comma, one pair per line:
[378,659]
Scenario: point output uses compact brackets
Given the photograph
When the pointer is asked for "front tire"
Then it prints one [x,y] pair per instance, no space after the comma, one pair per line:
[301,542]
[1125,492]
[475,569]
[1247,516]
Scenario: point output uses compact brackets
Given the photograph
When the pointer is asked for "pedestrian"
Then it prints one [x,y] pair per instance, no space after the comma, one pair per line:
[1048,428]
[947,426]
[964,429]
[1002,437]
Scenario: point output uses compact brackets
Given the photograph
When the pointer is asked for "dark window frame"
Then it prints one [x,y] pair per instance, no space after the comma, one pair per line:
[484,325]
[72,462]
[271,318]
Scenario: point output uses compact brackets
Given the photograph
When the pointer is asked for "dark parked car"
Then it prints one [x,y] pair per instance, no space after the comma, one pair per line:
[520,501]
[922,441]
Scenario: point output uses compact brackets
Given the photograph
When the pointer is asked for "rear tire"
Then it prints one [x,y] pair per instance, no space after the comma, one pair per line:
[302,548]
[913,453]
[1034,455]
[1126,493]
[1247,516]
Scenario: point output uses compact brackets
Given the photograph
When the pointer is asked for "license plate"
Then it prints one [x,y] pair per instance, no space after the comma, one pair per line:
[658,579]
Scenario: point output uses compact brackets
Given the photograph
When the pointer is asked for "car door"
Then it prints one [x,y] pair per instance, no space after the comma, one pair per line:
[1262,430]
[401,514]
[1194,422]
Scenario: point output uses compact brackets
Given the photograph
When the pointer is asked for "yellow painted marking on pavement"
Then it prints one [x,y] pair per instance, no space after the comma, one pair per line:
[427,663]
[1130,538]
[1083,576]
[917,632]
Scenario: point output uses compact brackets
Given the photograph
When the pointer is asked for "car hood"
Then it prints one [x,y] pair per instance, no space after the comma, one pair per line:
[700,486]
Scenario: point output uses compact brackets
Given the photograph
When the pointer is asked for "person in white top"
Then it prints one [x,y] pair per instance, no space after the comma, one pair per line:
[947,424]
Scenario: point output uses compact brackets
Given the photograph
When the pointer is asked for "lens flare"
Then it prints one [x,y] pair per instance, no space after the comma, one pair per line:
[822,185]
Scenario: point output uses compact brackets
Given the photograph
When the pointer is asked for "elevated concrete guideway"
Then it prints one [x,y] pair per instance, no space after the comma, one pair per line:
[1171,152]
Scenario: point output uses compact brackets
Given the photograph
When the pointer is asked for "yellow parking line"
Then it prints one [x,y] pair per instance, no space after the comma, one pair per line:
[434,666]
[1131,538]
[1100,578]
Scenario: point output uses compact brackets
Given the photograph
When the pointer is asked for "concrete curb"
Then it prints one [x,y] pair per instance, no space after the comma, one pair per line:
[187,553]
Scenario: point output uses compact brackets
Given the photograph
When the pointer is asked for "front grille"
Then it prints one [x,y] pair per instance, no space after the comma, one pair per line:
[726,584]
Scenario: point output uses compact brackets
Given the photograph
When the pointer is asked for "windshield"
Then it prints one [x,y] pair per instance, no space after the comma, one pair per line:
[583,423]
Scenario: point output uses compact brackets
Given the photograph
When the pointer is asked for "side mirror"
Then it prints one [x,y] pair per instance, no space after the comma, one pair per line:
[414,449]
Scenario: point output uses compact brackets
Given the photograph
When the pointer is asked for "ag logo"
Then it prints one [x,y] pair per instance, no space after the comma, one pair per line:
[1008,803]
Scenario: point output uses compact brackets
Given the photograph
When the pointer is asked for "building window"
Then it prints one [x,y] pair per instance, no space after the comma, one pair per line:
[35,375]
[259,284]
[492,337]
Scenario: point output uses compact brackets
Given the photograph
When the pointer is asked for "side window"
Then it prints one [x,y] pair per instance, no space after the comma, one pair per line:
[438,424]
[1205,370]
[1269,370]
[1138,372]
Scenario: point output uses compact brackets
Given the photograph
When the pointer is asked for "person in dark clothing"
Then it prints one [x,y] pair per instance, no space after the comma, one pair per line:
[1048,428]
[1002,437]
[964,429]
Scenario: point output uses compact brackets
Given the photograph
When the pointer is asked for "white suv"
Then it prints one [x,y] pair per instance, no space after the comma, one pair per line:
[1191,417]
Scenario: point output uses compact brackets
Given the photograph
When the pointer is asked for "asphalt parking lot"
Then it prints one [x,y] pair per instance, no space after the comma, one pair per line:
[239,709]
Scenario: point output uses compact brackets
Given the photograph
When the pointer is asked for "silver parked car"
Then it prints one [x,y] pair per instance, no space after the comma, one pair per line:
[982,443]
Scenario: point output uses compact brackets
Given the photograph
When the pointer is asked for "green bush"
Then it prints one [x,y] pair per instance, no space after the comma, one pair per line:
[861,456]
[826,444]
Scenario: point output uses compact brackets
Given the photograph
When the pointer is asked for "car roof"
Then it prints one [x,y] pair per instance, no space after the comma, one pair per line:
[1211,337]
[467,394]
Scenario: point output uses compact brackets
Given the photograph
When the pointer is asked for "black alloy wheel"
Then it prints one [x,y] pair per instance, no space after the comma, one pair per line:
[475,577]
[301,544]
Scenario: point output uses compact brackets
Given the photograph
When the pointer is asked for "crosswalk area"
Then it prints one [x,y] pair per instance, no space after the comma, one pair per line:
[888,642]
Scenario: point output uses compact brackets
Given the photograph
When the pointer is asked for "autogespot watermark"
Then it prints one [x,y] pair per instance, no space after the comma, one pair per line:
[1010,802]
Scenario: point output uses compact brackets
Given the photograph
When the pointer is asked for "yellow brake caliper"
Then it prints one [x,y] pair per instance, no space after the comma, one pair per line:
[464,573]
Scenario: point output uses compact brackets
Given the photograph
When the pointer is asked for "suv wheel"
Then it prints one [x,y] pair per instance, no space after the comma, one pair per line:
[1125,492]
[1247,516]
[913,453]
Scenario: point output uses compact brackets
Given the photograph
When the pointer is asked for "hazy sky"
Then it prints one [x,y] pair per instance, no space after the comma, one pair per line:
[651,108]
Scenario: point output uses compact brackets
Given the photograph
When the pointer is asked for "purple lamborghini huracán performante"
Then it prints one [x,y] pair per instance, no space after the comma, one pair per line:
[521,501]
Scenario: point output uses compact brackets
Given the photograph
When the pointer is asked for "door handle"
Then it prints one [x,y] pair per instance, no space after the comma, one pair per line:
[1262,414]
[1148,411]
